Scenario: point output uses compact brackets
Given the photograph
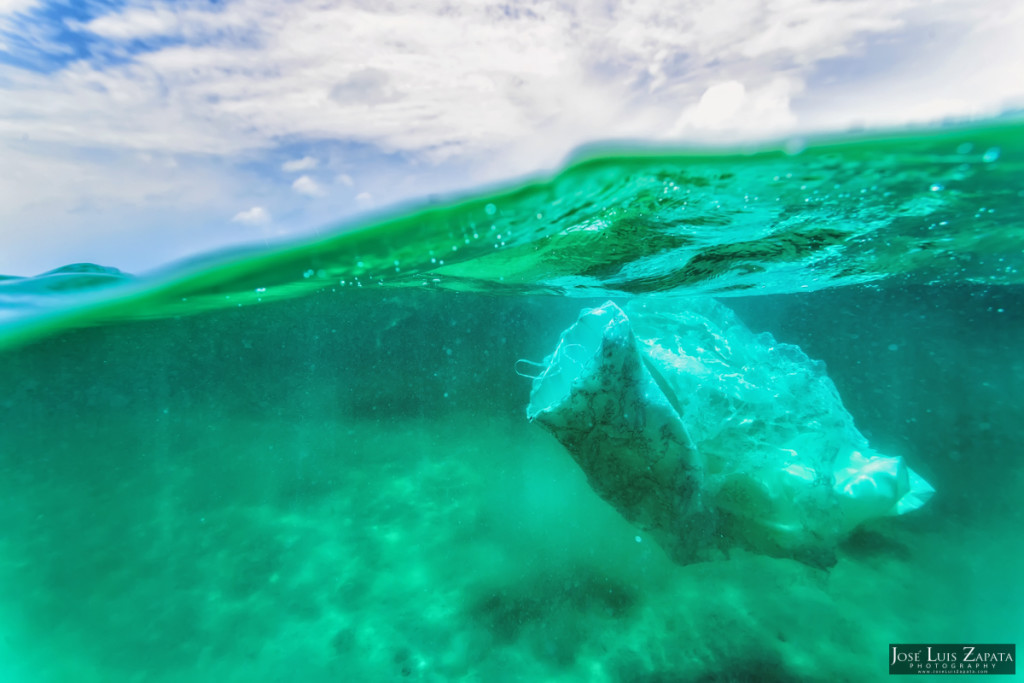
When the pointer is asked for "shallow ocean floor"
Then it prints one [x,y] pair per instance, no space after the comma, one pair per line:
[466,547]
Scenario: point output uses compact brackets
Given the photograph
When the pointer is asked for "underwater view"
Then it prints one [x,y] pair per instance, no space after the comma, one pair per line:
[664,415]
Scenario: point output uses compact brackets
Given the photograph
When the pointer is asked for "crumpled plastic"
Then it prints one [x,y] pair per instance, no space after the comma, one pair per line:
[709,437]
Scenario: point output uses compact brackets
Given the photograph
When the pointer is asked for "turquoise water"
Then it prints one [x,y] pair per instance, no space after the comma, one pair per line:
[311,462]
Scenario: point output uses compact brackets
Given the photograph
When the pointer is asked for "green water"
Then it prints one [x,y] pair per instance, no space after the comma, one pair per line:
[310,461]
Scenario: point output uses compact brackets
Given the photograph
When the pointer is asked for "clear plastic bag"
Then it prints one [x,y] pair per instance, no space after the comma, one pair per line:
[709,437]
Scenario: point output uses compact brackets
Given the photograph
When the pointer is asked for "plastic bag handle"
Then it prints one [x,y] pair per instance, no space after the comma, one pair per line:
[529,362]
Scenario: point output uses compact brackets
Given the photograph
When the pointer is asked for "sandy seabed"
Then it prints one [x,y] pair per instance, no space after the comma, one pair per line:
[467,548]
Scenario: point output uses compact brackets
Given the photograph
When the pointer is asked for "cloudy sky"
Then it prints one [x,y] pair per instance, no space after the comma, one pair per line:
[134,133]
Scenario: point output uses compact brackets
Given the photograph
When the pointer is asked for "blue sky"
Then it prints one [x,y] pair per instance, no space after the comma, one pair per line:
[136,133]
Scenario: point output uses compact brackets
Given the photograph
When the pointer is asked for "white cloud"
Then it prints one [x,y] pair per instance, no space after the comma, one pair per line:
[8,10]
[726,106]
[718,106]
[969,65]
[15,6]
[307,186]
[470,82]
[345,179]
[135,23]
[438,82]
[257,215]
[296,165]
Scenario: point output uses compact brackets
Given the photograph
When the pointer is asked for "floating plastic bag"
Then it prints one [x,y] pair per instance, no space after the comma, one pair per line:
[709,437]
